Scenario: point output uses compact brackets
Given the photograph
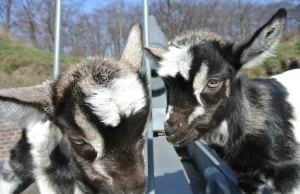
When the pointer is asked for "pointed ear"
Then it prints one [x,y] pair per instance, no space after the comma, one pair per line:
[25,105]
[154,53]
[254,50]
[133,52]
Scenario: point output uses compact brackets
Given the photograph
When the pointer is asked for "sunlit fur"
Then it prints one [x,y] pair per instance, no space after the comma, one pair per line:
[83,133]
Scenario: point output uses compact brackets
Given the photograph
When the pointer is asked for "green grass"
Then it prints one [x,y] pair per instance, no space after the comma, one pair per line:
[285,50]
[22,64]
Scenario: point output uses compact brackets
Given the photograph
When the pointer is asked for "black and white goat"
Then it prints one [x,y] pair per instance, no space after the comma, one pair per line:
[254,124]
[83,133]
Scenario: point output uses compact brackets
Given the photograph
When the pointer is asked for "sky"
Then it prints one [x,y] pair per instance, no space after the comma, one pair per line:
[89,5]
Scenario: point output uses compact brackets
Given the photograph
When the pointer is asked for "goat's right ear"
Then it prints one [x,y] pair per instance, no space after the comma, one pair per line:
[154,53]
[27,104]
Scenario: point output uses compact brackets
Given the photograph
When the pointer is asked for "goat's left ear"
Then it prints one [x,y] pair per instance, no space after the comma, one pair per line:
[254,50]
[133,52]
[25,105]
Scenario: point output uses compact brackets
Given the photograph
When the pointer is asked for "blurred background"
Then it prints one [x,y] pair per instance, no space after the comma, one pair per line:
[99,27]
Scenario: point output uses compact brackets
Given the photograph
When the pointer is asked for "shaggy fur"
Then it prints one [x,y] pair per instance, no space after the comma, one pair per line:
[83,133]
[252,123]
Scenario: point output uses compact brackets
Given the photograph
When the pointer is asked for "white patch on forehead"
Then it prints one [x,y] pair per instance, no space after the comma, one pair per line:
[197,112]
[104,106]
[200,81]
[219,136]
[290,79]
[176,60]
[123,96]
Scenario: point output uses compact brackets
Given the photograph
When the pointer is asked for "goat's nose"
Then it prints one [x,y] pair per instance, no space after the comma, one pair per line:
[171,128]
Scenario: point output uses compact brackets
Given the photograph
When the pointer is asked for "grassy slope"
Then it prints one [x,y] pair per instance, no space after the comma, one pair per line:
[22,64]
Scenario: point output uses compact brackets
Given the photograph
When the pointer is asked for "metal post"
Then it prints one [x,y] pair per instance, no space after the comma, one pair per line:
[57,40]
[150,178]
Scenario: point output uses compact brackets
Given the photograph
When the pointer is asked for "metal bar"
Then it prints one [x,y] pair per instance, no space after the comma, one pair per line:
[57,40]
[150,158]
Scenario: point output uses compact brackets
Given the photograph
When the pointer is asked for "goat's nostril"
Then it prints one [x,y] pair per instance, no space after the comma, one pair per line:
[172,129]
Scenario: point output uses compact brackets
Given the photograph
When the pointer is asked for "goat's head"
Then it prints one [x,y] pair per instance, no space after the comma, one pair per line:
[200,70]
[100,108]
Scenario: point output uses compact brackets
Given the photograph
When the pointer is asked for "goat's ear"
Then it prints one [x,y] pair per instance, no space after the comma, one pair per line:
[133,52]
[25,105]
[254,50]
[154,53]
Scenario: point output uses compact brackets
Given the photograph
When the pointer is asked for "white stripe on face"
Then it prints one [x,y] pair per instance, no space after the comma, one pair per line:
[177,60]
[198,111]
[170,111]
[124,96]
[91,133]
[200,81]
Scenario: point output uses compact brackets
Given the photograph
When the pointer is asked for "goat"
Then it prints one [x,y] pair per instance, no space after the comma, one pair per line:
[254,124]
[85,132]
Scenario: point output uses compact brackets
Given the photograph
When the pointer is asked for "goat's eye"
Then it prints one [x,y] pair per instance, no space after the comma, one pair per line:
[78,141]
[213,83]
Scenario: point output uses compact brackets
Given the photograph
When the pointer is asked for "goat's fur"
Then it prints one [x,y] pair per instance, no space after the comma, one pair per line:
[83,133]
[254,124]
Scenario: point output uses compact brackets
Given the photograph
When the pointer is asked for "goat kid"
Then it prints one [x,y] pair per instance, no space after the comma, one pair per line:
[83,133]
[254,124]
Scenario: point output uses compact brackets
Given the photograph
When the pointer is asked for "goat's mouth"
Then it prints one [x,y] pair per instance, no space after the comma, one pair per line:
[183,137]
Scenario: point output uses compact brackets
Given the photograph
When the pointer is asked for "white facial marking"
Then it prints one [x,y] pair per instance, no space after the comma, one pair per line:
[95,139]
[290,80]
[104,106]
[227,88]
[123,96]
[200,81]
[170,111]
[198,111]
[128,94]
[93,136]
[177,60]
